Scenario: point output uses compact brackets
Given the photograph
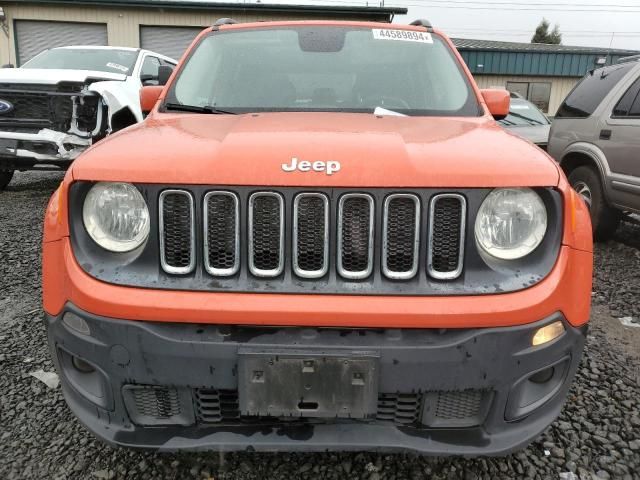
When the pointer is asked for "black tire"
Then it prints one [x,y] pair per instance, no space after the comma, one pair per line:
[5,178]
[604,219]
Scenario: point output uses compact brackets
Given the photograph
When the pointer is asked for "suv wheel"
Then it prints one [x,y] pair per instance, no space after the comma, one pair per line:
[5,178]
[604,219]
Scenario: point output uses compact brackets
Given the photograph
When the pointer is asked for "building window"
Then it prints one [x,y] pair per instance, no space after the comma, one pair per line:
[538,93]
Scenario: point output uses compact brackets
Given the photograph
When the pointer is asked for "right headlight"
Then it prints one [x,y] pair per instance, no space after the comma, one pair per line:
[116,216]
[511,223]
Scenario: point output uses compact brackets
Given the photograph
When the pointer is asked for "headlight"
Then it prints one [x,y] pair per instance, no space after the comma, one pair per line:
[511,223]
[116,216]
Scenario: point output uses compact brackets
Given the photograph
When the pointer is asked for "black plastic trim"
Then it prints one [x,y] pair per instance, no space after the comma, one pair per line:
[141,268]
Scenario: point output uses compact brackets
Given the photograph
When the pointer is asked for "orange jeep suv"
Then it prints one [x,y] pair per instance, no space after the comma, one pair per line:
[319,239]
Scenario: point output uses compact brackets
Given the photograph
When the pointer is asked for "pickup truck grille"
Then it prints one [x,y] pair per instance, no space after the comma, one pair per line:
[46,106]
[295,232]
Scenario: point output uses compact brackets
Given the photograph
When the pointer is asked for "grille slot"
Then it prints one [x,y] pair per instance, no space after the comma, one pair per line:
[221,233]
[311,235]
[401,236]
[214,406]
[447,218]
[177,232]
[458,405]
[158,402]
[399,408]
[355,235]
[266,234]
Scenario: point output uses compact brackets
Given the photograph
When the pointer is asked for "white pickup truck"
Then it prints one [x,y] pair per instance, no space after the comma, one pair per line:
[65,99]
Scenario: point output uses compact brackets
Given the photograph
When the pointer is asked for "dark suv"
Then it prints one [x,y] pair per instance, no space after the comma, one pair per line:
[596,138]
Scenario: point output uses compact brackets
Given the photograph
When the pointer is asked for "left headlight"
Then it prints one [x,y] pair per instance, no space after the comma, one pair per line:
[116,216]
[511,223]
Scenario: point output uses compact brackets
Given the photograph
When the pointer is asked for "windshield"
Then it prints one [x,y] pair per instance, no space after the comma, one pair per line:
[101,60]
[523,113]
[320,68]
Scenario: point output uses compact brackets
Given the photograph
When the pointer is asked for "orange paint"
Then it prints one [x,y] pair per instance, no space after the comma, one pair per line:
[390,152]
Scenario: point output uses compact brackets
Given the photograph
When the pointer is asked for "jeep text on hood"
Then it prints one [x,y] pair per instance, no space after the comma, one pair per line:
[319,239]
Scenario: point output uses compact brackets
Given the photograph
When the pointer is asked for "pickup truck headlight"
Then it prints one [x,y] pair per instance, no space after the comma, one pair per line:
[511,223]
[116,216]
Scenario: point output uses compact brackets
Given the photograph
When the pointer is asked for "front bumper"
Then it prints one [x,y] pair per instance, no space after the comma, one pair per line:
[171,386]
[24,150]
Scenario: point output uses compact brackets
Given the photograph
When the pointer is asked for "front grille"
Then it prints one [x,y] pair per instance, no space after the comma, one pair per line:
[177,236]
[456,408]
[311,235]
[157,402]
[221,233]
[447,233]
[401,236]
[266,234]
[355,235]
[399,408]
[296,230]
[214,406]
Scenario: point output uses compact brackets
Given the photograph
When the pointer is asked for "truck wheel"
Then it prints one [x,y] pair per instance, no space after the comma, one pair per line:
[5,178]
[604,219]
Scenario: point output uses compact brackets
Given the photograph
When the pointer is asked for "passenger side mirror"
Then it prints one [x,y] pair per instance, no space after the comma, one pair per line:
[149,80]
[164,73]
[498,102]
[149,97]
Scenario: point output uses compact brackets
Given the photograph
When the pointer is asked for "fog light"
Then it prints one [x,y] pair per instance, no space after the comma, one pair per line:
[548,333]
[81,365]
[76,323]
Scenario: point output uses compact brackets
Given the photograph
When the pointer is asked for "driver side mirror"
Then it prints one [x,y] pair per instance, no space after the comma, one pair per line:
[149,97]
[164,73]
[498,102]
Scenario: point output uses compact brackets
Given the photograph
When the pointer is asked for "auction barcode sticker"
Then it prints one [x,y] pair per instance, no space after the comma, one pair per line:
[402,35]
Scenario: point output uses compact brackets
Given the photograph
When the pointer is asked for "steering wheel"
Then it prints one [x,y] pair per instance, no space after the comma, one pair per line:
[385,101]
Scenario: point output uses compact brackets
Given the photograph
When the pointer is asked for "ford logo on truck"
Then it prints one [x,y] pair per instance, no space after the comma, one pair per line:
[5,107]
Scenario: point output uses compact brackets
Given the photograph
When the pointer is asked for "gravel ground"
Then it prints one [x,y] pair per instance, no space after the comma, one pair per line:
[597,435]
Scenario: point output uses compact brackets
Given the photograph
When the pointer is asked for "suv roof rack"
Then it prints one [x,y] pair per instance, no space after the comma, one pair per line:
[421,22]
[632,58]
[223,21]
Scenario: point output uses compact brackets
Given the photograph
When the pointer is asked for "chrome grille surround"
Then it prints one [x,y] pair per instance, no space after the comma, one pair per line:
[221,272]
[252,232]
[297,268]
[166,266]
[386,247]
[433,272]
[342,268]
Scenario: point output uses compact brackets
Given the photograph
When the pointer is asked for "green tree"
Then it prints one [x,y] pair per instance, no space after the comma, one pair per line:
[543,35]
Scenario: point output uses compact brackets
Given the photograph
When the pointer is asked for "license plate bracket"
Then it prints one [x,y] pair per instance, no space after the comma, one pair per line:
[293,383]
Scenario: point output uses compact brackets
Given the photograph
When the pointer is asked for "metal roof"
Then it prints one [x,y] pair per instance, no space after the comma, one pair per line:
[489,57]
[492,45]
[207,5]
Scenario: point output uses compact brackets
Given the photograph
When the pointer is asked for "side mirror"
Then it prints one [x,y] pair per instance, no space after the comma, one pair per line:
[149,97]
[149,80]
[498,102]
[164,73]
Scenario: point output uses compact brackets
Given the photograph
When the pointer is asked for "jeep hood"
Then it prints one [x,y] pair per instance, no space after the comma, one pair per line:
[53,76]
[383,151]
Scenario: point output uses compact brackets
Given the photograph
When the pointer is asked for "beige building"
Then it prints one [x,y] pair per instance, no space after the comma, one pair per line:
[165,26]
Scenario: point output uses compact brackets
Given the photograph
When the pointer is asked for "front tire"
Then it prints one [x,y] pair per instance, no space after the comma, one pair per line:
[5,178]
[604,219]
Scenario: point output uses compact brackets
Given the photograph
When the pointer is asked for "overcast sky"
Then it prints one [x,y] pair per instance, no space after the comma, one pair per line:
[594,23]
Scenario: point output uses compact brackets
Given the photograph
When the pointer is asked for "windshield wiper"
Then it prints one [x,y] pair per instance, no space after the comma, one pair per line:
[527,119]
[181,107]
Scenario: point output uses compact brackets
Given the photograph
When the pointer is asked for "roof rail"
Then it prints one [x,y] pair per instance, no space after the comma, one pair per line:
[632,58]
[223,21]
[421,22]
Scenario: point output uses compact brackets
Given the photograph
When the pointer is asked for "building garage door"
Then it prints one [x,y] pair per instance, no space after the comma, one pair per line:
[170,41]
[33,36]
